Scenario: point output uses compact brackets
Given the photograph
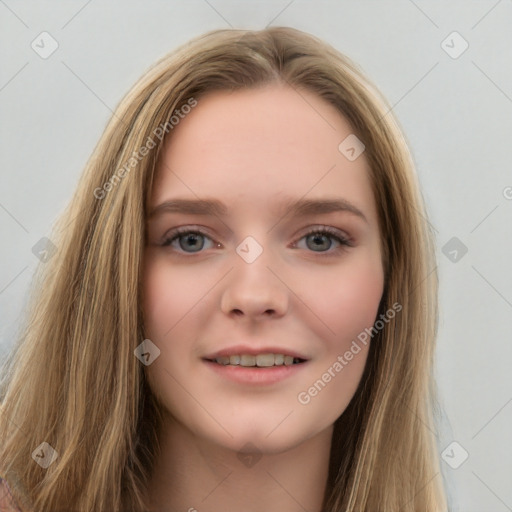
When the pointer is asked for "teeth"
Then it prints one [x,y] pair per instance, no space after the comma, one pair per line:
[288,360]
[265,360]
[247,360]
[261,360]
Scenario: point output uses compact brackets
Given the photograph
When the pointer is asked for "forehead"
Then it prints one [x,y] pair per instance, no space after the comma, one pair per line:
[251,147]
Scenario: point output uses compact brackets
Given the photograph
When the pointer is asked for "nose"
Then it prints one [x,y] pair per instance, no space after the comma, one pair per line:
[254,290]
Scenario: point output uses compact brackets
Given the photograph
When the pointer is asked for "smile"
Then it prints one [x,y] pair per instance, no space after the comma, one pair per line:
[259,360]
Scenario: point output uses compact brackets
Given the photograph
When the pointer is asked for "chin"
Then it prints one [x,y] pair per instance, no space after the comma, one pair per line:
[272,445]
[268,437]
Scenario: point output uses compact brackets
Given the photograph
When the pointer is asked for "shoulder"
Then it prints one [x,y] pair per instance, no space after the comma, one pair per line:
[7,501]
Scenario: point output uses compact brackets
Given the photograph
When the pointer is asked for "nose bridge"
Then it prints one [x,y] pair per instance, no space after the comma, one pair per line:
[253,288]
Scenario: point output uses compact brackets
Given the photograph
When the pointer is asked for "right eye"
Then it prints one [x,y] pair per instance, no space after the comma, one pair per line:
[186,238]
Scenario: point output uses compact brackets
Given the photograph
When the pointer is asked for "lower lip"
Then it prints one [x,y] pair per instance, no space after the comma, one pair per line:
[259,376]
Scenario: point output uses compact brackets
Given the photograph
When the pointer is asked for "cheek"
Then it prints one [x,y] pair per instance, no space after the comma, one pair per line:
[352,307]
[348,301]
[169,295]
[160,302]
[168,306]
[175,305]
[356,302]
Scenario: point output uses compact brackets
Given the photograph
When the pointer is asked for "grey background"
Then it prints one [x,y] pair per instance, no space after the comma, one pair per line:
[456,114]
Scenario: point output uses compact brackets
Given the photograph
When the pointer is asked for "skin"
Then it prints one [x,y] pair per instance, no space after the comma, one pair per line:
[250,149]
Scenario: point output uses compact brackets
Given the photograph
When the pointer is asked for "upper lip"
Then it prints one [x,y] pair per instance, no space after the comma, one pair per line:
[252,350]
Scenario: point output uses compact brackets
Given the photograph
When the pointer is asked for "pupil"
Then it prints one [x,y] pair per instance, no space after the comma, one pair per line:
[192,239]
[318,238]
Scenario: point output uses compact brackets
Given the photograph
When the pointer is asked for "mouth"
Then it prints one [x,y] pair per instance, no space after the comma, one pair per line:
[267,360]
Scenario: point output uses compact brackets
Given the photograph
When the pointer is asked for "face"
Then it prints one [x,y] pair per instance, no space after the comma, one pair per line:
[250,275]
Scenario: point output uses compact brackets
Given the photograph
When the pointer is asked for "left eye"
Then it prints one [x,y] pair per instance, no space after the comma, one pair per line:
[319,238]
[195,239]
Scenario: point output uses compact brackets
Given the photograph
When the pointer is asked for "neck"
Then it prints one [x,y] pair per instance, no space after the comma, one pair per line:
[196,475]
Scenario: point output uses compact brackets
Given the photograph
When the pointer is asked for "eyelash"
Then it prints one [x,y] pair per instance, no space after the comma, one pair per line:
[319,230]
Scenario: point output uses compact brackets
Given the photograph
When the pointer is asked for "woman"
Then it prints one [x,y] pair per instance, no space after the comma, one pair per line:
[254,372]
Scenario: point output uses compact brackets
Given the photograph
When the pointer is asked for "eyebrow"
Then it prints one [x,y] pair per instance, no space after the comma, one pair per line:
[295,207]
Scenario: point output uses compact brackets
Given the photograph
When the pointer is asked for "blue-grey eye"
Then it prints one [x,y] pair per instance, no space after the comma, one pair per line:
[319,241]
[189,241]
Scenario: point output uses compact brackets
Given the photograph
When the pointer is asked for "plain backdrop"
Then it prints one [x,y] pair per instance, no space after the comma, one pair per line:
[445,67]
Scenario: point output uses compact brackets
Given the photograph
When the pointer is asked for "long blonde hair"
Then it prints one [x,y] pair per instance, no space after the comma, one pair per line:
[72,379]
